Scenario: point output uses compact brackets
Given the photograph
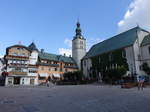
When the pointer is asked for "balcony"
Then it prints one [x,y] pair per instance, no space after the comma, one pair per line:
[47,64]
[73,67]
[17,57]
[17,73]
[18,65]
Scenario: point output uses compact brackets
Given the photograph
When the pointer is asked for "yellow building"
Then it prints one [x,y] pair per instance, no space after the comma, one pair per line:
[55,65]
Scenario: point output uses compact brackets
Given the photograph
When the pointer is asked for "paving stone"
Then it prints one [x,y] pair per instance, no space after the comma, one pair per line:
[80,98]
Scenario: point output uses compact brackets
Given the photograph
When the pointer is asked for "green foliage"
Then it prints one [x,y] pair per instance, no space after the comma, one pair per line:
[146,68]
[112,65]
[73,76]
[113,75]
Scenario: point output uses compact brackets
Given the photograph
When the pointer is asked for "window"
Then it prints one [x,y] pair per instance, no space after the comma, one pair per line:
[110,57]
[49,69]
[42,78]
[14,54]
[123,53]
[81,42]
[81,47]
[84,62]
[66,70]
[42,68]
[61,64]
[55,69]
[18,69]
[22,54]
[99,60]
[149,49]
[22,81]
[61,69]
[10,81]
[55,62]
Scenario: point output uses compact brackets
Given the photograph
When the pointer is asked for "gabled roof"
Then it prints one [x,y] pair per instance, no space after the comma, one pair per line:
[117,42]
[54,57]
[17,45]
[146,40]
[32,47]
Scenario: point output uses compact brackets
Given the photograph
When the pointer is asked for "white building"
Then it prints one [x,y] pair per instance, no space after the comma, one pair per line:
[133,47]
[21,65]
[78,46]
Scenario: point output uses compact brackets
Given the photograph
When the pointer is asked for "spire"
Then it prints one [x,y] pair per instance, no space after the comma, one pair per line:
[32,47]
[78,29]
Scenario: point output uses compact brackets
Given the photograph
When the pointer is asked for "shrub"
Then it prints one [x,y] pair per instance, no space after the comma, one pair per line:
[113,75]
[73,76]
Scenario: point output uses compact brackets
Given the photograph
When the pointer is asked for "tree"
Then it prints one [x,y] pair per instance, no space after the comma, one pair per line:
[146,68]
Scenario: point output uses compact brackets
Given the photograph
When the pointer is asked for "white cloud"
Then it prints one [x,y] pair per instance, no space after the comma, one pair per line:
[138,12]
[68,51]
[1,56]
[68,42]
[63,51]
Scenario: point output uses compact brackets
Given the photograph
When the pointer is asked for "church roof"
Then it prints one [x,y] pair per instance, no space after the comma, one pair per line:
[122,40]
[32,47]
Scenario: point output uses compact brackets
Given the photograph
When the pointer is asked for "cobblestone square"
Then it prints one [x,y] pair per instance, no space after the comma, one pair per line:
[81,98]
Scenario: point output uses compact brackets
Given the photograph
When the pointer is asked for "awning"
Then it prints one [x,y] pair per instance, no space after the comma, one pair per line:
[56,75]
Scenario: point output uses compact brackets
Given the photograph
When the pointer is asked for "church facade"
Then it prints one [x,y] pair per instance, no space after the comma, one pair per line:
[130,49]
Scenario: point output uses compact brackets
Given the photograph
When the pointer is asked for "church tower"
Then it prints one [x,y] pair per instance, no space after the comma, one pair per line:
[78,46]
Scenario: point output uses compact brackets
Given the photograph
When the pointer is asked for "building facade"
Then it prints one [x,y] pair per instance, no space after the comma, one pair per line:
[19,66]
[29,66]
[54,65]
[78,46]
[129,49]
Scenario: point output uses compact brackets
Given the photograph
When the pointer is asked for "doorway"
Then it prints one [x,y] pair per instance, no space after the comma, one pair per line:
[16,80]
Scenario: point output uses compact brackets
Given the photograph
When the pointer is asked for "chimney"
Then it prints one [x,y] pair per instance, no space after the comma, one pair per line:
[64,54]
[42,50]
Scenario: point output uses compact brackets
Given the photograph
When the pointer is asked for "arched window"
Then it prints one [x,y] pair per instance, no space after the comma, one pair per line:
[124,54]
[110,57]
[149,49]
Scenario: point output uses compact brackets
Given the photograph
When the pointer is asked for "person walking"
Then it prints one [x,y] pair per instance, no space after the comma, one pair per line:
[140,80]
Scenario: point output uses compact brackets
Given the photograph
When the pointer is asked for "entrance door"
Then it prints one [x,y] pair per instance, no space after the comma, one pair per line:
[17,80]
[32,81]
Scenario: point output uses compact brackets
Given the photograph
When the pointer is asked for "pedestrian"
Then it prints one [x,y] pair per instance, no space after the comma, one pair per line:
[47,82]
[140,80]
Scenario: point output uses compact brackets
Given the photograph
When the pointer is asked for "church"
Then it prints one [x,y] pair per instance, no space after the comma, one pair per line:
[130,49]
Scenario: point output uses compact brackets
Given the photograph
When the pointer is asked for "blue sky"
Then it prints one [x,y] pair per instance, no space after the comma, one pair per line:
[50,22]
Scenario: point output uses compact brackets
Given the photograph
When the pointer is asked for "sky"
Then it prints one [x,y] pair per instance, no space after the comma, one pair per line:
[51,24]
